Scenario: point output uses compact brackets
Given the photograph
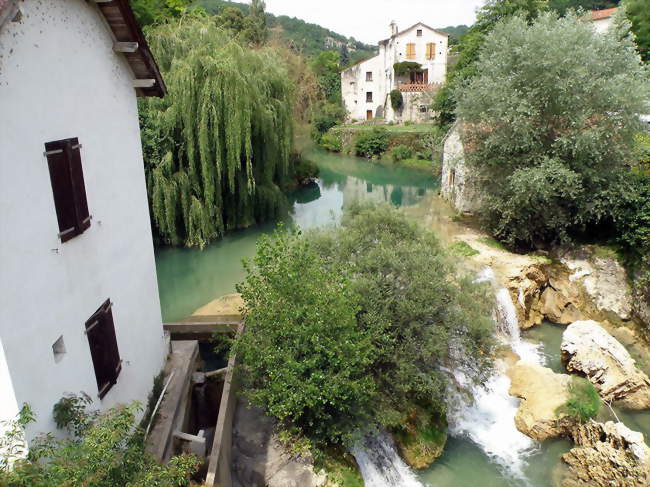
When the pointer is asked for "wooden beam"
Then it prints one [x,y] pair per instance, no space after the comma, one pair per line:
[143,83]
[125,46]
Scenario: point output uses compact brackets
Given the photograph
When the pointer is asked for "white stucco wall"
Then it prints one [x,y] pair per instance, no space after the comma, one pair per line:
[60,78]
[354,85]
[602,25]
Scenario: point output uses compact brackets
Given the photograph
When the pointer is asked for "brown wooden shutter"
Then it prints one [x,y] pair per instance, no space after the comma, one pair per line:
[100,330]
[57,162]
[78,186]
[68,188]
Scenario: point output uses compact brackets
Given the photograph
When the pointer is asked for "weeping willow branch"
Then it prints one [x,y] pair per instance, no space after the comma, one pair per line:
[217,146]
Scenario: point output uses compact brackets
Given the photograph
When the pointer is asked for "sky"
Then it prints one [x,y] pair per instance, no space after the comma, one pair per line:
[368,20]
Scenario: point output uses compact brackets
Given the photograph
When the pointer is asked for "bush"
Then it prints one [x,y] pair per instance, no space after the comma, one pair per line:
[396,100]
[584,401]
[463,249]
[374,142]
[331,142]
[548,159]
[326,117]
[401,152]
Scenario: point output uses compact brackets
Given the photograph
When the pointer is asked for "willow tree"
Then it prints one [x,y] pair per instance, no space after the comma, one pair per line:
[217,146]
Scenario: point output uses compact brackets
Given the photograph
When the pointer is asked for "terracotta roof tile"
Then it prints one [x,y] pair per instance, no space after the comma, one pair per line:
[603,14]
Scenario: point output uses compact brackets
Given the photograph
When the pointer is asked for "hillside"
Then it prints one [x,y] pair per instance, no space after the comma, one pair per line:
[309,38]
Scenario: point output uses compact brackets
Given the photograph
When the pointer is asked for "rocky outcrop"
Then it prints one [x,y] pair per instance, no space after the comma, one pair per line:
[604,281]
[589,350]
[607,455]
[228,306]
[260,460]
[542,392]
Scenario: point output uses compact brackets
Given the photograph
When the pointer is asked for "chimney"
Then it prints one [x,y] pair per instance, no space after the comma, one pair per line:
[393,28]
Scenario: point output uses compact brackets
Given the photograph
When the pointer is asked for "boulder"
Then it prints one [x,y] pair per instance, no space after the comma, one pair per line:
[560,302]
[542,392]
[607,455]
[589,350]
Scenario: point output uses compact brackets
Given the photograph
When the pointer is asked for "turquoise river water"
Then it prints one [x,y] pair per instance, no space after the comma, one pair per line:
[189,278]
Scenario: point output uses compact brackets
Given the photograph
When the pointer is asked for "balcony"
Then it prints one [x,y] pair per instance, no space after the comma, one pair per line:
[418,87]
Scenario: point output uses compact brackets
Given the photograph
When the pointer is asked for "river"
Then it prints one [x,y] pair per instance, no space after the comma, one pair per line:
[484,448]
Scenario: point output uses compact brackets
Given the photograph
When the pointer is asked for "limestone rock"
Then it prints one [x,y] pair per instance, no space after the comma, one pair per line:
[542,392]
[604,281]
[588,349]
[560,302]
[607,455]
[230,305]
[260,460]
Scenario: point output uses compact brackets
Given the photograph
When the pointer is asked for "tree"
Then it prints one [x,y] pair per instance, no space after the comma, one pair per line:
[217,146]
[549,123]
[471,44]
[109,452]
[345,56]
[562,6]
[156,11]
[327,68]
[638,11]
[354,325]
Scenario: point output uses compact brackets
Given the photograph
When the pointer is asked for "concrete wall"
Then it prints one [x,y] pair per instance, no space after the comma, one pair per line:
[457,185]
[60,78]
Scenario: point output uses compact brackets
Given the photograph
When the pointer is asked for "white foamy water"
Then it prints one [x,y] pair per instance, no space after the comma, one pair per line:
[379,463]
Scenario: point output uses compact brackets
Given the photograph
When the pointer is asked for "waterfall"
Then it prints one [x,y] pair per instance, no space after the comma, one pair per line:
[379,463]
[486,414]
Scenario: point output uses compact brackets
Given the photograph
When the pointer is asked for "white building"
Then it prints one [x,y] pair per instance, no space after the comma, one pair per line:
[366,86]
[79,305]
[602,19]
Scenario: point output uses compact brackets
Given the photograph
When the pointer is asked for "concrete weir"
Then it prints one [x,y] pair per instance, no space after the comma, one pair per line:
[196,413]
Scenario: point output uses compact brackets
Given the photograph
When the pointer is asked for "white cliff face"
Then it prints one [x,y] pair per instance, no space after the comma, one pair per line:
[588,349]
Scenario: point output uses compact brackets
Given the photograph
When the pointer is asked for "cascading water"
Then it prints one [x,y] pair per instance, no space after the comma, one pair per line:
[379,463]
[486,414]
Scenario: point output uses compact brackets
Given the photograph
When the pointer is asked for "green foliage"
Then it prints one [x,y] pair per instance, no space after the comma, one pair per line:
[303,358]
[455,33]
[327,116]
[471,45]
[327,68]
[109,453]
[331,142]
[562,6]
[405,68]
[584,401]
[396,100]
[157,11]
[70,413]
[401,152]
[217,146]
[638,12]
[372,142]
[463,249]
[550,160]
[13,446]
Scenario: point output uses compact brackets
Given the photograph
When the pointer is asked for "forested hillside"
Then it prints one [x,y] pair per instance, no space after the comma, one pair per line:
[311,39]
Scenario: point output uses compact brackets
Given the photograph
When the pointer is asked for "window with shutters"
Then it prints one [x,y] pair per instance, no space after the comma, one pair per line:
[68,189]
[410,51]
[368,75]
[431,50]
[369,97]
[100,331]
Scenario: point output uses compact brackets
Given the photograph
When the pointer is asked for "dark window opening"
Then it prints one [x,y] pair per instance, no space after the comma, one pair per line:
[369,76]
[100,331]
[68,188]
[369,97]
[419,32]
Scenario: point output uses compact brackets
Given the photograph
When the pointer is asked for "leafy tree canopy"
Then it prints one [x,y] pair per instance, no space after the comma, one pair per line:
[638,11]
[549,125]
[355,324]
[155,11]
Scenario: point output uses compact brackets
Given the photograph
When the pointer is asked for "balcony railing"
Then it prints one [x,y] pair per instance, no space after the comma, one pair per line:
[418,87]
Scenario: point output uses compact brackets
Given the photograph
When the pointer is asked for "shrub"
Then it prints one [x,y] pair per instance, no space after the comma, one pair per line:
[396,100]
[331,142]
[326,117]
[549,159]
[374,142]
[463,249]
[584,401]
[405,68]
[401,152]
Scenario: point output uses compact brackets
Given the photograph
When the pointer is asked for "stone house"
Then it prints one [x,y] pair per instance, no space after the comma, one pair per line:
[602,19]
[366,86]
[79,297]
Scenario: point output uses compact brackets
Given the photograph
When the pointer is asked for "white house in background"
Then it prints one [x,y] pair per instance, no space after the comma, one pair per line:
[79,305]
[366,86]
[602,19]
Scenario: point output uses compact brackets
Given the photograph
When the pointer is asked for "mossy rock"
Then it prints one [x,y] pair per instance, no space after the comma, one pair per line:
[422,440]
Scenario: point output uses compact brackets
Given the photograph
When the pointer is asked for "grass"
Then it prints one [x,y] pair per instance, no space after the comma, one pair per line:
[495,244]
[463,249]
[584,401]
[415,127]
[340,467]
[608,252]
